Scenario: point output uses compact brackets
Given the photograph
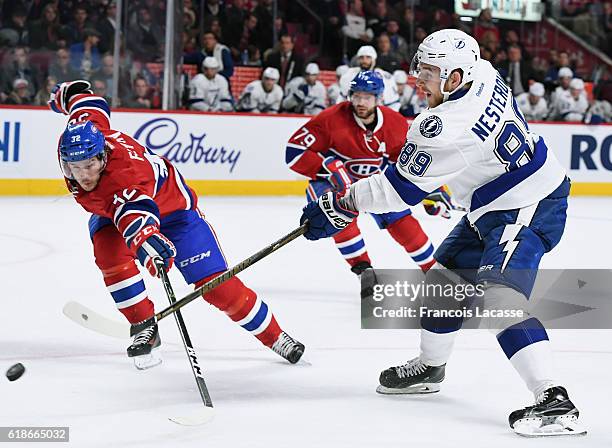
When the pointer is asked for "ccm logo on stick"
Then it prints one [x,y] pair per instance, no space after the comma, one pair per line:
[194,259]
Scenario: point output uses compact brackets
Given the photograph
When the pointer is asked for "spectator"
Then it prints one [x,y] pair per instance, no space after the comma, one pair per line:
[419,35]
[377,21]
[20,68]
[329,11]
[565,76]
[263,12]
[20,95]
[572,107]
[61,69]
[84,56]
[47,32]
[100,88]
[333,91]
[75,31]
[248,37]
[561,60]
[15,32]
[145,38]
[254,57]
[355,29]
[141,97]
[286,60]
[106,26]
[387,59]
[405,93]
[532,104]
[512,38]
[42,96]
[305,95]
[235,16]
[216,29]
[516,72]
[262,96]
[213,9]
[106,74]
[398,43]
[484,24]
[212,47]
[209,91]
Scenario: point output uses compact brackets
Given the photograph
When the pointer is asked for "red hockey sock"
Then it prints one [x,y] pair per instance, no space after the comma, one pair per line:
[243,306]
[408,232]
[351,245]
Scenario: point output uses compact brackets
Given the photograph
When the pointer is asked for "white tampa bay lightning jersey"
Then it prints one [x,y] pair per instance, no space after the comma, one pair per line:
[210,95]
[255,99]
[539,111]
[301,97]
[390,96]
[478,143]
[333,93]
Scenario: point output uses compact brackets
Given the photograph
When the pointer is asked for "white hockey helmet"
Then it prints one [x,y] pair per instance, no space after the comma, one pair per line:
[341,70]
[565,72]
[449,50]
[400,77]
[577,84]
[312,69]
[367,50]
[210,62]
[537,89]
[271,73]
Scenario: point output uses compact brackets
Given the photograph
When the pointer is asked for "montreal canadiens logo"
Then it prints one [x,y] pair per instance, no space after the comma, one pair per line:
[431,126]
[361,168]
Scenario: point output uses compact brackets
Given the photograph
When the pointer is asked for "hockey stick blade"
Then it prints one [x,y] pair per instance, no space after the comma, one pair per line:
[87,318]
[200,417]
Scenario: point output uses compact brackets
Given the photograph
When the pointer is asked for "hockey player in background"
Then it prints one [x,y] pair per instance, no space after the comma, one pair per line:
[262,96]
[366,58]
[473,137]
[571,106]
[209,91]
[532,104]
[333,91]
[354,140]
[305,94]
[143,209]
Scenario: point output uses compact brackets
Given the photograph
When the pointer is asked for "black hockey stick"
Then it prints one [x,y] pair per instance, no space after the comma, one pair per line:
[208,412]
[140,326]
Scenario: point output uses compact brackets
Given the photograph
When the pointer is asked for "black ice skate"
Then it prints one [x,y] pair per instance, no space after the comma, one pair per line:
[367,276]
[414,377]
[144,348]
[288,348]
[552,415]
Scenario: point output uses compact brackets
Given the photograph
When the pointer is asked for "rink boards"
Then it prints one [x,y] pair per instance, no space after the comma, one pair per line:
[241,154]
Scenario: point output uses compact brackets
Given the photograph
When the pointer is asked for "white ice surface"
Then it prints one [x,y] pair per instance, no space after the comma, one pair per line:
[82,380]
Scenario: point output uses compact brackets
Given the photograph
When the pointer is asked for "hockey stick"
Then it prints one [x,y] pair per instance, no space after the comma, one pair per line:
[207,413]
[92,320]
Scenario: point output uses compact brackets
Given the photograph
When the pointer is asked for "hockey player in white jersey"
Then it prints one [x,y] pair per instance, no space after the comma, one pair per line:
[366,56]
[532,104]
[404,91]
[333,91]
[262,96]
[475,139]
[305,94]
[573,105]
[209,91]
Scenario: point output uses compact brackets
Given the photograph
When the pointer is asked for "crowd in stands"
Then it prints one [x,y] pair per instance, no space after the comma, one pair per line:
[43,42]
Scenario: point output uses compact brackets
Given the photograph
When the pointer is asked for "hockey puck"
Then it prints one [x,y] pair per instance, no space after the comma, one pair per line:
[15,372]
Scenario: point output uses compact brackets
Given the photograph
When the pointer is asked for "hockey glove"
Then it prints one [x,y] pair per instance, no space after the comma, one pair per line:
[63,92]
[438,202]
[149,245]
[338,175]
[326,216]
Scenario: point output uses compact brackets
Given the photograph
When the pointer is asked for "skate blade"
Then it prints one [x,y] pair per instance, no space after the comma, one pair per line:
[566,425]
[417,389]
[197,418]
[145,362]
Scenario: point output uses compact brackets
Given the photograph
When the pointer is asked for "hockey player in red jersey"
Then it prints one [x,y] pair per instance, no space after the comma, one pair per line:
[143,209]
[350,141]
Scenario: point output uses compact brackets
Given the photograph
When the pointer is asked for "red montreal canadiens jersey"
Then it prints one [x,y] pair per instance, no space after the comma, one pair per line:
[337,132]
[136,182]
